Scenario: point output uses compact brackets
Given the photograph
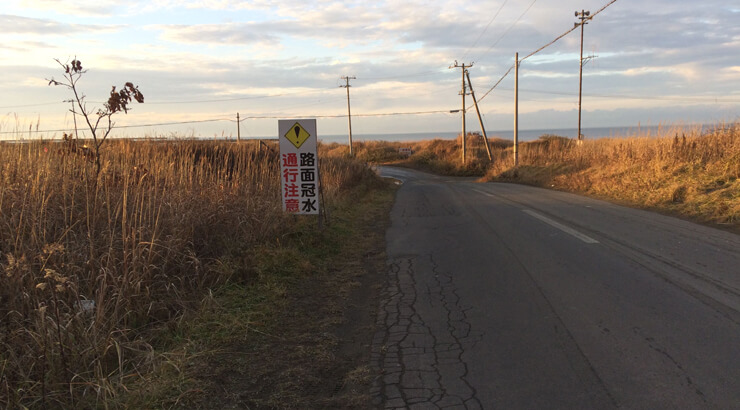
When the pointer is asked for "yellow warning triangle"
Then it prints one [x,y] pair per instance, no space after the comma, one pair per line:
[297,135]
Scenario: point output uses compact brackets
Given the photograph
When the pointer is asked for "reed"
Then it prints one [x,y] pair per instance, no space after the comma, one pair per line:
[94,265]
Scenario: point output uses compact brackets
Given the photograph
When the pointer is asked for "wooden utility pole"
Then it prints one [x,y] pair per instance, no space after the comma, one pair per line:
[516,111]
[238,129]
[584,16]
[463,92]
[349,113]
[480,119]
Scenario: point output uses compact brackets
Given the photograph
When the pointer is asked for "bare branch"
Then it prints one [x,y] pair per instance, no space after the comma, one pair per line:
[117,102]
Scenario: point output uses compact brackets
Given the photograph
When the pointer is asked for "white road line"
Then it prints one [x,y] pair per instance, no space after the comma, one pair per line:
[562,227]
[482,193]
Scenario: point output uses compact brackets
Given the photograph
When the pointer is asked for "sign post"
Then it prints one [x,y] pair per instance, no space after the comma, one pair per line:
[299,166]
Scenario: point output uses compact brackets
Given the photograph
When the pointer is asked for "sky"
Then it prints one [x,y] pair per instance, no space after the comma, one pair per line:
[200,62]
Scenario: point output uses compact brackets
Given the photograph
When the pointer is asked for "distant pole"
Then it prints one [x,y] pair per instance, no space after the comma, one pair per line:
[584,16]
[516,111]
[464,132]
[463,92]
[349,113]
[238,129]
[480,119]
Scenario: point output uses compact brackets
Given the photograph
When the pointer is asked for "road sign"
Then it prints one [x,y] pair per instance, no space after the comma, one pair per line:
[299,166]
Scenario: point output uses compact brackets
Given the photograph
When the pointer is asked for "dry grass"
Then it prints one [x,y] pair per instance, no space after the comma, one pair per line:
[690,173]
[94,267]
[694,175]
[437,155]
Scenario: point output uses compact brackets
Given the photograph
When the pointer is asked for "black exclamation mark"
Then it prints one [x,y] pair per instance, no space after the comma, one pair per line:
[297,131]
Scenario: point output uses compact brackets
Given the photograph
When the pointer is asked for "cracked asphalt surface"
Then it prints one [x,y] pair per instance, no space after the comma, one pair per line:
[507,296]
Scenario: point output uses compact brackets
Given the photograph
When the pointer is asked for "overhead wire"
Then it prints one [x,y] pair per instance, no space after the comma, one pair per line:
[31,105]
[543,47]
[484,30]
[496,43]
[256,97]
[697,99]
[497,83]
[510,27]
[423,73]
[567,32]
[508,71]
[384,114]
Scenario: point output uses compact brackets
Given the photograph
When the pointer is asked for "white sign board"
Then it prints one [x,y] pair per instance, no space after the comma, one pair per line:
[299,166]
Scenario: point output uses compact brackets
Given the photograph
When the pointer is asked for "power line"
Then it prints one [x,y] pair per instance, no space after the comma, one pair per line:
[567,32]
[385,114]
[511,26]
[541,48]
[256,97]
[642,98]
[697,99]
[549,44]
[126,126]
[496,43]
[603,8]
[31,105]
[498,82]
[484,30]
[423,73]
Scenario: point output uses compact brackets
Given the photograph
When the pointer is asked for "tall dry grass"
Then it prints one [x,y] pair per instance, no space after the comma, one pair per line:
[436,155]
[92,266]
[693,174]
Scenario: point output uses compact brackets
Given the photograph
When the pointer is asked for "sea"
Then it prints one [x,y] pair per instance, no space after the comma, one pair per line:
[531,135]
[524,135]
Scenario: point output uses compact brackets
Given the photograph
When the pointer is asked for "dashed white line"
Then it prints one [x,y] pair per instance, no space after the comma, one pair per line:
[560,226]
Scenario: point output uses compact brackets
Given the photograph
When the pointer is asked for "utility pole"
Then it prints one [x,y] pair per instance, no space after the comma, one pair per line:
[238,129]
[463,92]
[480,119]
[583,15]
[349,113]
[516,111]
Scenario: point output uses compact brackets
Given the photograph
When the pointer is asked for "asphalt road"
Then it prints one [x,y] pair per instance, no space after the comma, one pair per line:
[503,296]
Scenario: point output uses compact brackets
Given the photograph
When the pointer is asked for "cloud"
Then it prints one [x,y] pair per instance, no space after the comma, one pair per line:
[230,5]
[22,46]
[224,34]
[91,8]
[34,26]
[399,50]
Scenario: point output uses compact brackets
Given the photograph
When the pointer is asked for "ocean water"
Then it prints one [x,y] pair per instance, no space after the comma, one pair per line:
[526,135]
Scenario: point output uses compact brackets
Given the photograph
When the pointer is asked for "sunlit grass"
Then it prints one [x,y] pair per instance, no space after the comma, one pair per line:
[94,266]
[691,173]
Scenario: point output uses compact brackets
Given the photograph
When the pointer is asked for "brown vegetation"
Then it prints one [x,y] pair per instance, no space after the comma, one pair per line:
[96,268]
[691,174]
[694,175]
[437,155]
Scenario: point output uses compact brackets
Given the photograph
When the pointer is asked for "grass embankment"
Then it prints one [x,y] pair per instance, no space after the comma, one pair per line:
[692,175]
[171,252]
[436,156]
